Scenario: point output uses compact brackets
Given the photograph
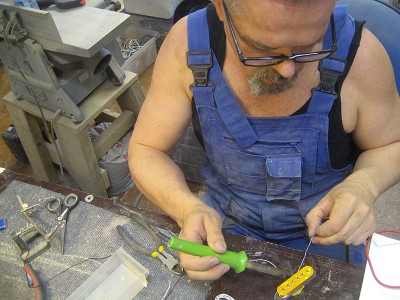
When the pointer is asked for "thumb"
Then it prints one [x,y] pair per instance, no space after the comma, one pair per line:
[317,215]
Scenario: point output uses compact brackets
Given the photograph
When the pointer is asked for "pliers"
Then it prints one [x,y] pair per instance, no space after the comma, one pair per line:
[167,259]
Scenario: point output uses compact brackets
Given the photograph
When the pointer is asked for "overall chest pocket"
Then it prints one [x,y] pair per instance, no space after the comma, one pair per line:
[278,177]
[283,177]
[245,171]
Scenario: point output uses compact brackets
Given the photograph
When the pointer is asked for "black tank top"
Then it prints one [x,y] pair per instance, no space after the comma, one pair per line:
[342,150]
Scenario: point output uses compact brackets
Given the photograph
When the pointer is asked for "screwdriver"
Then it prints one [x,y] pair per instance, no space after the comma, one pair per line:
[236,260]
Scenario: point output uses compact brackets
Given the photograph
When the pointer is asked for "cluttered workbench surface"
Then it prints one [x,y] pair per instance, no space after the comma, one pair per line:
[95,253]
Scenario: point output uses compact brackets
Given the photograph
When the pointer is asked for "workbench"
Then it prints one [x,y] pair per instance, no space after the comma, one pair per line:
[334,279]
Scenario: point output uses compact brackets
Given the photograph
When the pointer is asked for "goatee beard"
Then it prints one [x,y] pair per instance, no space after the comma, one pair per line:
[258,85]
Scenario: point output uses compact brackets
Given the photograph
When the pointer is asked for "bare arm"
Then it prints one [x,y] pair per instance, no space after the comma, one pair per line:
[165,115]
[371,111]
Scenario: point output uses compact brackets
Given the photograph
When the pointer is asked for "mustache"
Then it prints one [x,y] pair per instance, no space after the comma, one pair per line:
[273,75]
[258,85]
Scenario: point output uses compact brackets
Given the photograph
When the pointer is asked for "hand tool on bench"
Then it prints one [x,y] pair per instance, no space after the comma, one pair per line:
[236,260]
[159,252]
[62,209]
[239,262]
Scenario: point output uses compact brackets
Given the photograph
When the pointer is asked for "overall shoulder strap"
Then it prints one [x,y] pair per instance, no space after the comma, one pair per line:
[200,60]
[199,56]
[333,67]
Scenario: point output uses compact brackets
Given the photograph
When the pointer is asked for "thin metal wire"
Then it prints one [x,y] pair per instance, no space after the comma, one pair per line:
[260,260]
[167,291]
[305,253]
[129,47]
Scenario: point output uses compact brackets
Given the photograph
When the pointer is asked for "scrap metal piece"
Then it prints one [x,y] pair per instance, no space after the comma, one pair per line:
[89,198]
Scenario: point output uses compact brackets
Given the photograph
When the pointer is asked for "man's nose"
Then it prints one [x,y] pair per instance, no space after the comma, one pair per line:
[286,69]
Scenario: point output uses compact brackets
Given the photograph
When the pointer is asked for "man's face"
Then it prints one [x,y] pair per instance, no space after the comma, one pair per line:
[273,28]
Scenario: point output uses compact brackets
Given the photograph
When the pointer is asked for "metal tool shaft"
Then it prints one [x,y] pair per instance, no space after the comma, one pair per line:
[267,269]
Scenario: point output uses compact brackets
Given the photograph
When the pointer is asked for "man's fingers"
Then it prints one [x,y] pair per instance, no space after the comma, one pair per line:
[356,229]
[203,268]
[197,263]
[212,274]
[338,217]
[316,216]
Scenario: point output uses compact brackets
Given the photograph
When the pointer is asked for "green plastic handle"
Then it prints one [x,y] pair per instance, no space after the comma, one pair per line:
[236,260]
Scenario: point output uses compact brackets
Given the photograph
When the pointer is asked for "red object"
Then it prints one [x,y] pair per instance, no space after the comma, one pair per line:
[370,263]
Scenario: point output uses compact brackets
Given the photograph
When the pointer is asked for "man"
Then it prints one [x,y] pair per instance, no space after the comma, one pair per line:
[287,99]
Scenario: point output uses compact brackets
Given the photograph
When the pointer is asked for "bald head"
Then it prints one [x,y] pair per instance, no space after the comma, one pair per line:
[236,6]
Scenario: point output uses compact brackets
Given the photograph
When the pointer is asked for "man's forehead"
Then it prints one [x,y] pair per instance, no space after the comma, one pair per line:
[243,4]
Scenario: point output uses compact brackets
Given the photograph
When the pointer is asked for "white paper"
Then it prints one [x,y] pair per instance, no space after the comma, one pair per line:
[384,254]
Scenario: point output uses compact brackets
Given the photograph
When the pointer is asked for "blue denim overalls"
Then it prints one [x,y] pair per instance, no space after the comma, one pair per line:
[265,174]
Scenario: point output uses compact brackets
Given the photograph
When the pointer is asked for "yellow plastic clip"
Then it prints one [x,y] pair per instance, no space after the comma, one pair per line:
[295,283]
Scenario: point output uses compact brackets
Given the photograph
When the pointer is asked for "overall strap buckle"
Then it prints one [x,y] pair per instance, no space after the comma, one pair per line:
[200,62]
[328,81]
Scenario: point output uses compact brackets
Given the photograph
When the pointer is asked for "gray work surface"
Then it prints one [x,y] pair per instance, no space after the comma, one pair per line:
[335,279]
[91,233]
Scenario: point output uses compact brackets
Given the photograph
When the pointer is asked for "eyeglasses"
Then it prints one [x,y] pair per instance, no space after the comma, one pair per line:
[274,60]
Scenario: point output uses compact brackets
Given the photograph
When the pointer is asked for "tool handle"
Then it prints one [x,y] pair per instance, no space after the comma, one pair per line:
[34,282]
[236,260]
[54,206]
[136,246]
[71,200]
[63,4]
[66,4]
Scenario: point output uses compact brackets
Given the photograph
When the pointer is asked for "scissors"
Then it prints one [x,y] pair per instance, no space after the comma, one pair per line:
[62,210]
[167,259]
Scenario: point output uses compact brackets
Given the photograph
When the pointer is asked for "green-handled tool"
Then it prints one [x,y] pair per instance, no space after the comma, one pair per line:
[236,260]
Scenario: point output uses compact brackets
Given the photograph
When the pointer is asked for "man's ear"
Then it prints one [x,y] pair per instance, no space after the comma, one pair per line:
[220,9]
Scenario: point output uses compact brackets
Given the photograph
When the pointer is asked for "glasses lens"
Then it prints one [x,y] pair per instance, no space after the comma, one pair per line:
[312,57]
[261,62]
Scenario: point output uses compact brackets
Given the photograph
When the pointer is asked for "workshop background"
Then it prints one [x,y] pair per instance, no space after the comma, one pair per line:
[157,26]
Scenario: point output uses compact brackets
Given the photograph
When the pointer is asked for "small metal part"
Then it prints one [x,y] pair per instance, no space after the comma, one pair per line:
[26,209]
[27,229]
[23,205]
[295,283]
[89,198]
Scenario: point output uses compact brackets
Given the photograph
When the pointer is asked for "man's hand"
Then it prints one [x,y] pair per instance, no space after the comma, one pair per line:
[348,212]
[203,224]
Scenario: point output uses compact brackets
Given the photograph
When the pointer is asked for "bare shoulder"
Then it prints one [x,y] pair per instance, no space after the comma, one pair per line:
[157,125]
[171,59]
[370,100]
